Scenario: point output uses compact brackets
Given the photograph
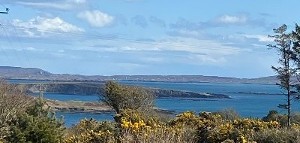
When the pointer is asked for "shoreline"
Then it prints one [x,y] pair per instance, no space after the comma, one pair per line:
[78,106]
[87,107]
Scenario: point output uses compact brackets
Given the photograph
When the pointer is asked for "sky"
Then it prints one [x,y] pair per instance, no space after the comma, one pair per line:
[144,37]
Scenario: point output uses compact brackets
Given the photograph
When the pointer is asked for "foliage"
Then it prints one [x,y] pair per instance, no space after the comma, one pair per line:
[228,114]
[13,101]
[187,127]
[187,118]
[282,135]
[91,124]
[136,116]
[296,55]
[133,124]
[36,125]
[91,131]
[214,129]
[296,46]
[285,72]
[24,119]
[282,119]
[121,97]
[137,128]
[273,115]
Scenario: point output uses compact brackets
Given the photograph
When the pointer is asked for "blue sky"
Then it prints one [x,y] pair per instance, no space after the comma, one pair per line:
[110,37]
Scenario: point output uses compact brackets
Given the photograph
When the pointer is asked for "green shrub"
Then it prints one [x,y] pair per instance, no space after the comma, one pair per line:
[91,124]
[228,114]
[283,135]
[13,101]
[92,131]
[121,97]
[36,125]
[273,115]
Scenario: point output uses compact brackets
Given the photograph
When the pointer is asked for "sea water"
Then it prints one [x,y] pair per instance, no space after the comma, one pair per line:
[249,100]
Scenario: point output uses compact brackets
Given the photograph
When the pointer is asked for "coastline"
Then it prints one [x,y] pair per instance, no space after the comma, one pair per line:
[87,107]
[78,106]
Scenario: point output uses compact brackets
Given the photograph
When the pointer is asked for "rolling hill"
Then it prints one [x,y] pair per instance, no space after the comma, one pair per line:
[7,72]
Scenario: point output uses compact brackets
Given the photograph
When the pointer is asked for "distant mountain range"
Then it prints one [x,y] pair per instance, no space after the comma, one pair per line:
[8,72]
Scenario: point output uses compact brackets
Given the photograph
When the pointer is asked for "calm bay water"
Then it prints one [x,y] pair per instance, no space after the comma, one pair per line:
[249,100]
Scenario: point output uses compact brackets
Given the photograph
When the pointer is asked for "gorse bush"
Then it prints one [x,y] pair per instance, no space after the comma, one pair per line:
[186,127]
[213,128]
[134,127]
[91,131]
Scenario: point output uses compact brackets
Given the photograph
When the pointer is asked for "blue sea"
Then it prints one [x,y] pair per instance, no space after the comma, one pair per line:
[249,100]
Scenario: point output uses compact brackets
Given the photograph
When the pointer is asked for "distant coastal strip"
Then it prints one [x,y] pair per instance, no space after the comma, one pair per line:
[78,106]
[87,107]
[19,74]
[96,88]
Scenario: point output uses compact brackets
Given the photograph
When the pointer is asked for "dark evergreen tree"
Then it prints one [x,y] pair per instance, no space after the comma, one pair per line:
[286,70]
[296,55]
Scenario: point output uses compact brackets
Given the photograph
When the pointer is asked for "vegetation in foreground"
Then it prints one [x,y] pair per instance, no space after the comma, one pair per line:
[136,121]
[24,119]
[187,127]
[139,123]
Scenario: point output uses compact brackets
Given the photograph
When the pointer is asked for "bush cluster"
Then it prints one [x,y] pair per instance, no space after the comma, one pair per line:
[32,122]
[91,131]
[25,119]
[135,124]
[186,127]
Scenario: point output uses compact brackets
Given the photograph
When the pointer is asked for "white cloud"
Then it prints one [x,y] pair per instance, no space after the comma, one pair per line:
[46,4]
[231,19]
[198,46]
[260,38]
[169,44]
[96,18]
[206,59]
[77,1]
[169,49]
[62,4]
[41,26]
